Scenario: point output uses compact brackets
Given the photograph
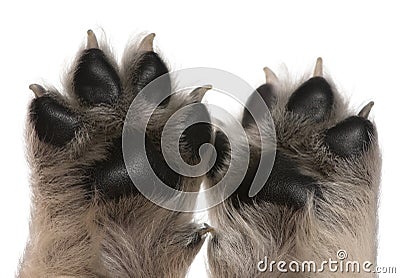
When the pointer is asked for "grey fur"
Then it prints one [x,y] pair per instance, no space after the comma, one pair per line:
[345,220]
[76,237]
[71,236]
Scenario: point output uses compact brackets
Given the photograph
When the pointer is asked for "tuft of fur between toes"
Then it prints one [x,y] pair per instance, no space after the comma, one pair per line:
[321,196]
[88,219]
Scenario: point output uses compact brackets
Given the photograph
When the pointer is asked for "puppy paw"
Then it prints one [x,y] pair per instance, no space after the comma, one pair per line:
[321,194]
[89,218]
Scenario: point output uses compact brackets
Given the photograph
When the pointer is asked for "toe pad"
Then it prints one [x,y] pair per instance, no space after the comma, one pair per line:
[350,136]
[313,99]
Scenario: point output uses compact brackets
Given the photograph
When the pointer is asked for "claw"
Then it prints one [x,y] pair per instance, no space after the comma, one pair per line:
[206,229]
[318,70]
[91,40]
[37,90]
[199,92]
[146,44]
[365,110]
[270,76]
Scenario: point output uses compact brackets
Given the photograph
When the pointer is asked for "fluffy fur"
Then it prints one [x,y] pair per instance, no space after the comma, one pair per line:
[344,218]
[76,231]
[79,233]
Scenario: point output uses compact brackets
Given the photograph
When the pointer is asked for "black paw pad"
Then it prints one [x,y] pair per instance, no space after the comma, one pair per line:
[267,94]
[95,80]
[223,150]
[54,123]
[149,67]
[196,135]
[285,185]
[111,176]
[350,136]
[313,99]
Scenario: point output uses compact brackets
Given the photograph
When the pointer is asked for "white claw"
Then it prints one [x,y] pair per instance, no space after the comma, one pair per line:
[91,40]
[318,70]
[270,76]
[206,229]
[199,92]
[364,113]
[147,43]
[37,90]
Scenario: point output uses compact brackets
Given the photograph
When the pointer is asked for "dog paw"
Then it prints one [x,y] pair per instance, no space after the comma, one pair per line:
[322,187]
[80,182]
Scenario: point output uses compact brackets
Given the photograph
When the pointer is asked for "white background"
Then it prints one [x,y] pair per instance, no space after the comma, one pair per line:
[358,41]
